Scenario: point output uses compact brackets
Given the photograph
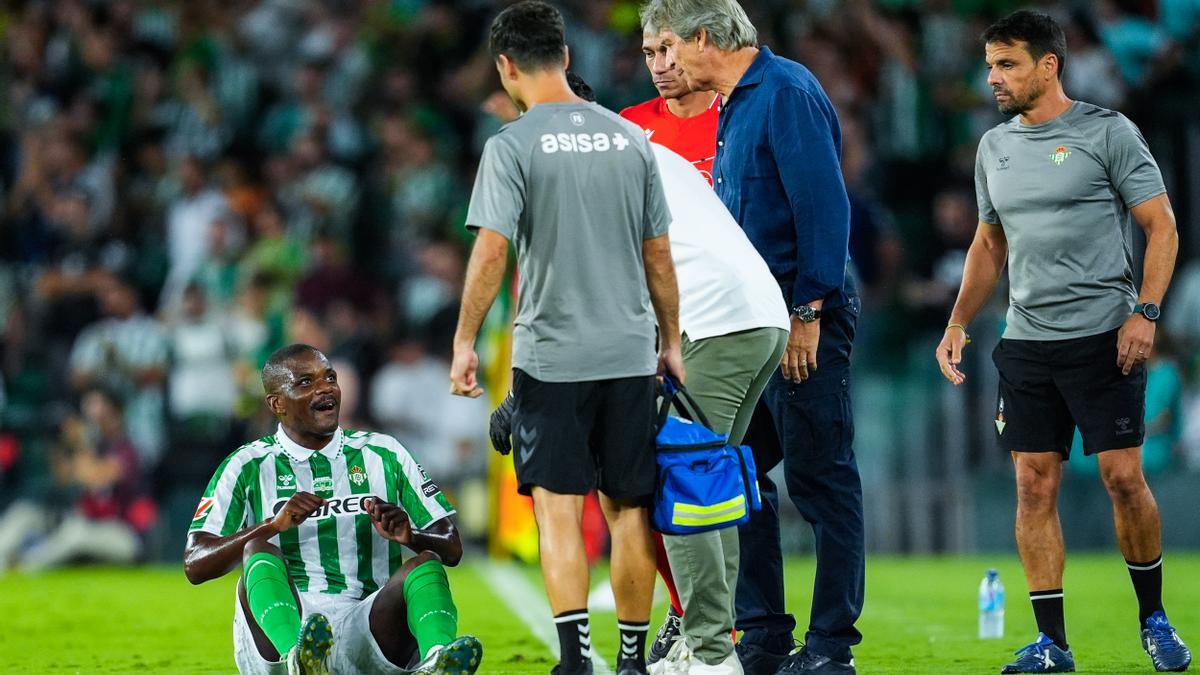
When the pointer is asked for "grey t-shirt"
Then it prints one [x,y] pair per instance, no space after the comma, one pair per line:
[1062,190]
[576,189]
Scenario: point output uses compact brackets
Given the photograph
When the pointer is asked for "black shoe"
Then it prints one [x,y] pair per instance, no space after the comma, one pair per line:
[667,633]
[756,660]
[584,668]
[631,667]
[808,661]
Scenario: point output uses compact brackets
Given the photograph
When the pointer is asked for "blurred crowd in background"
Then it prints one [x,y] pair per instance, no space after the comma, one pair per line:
[187,185]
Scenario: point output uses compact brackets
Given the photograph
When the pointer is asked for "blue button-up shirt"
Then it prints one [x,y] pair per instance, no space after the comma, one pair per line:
[778,170]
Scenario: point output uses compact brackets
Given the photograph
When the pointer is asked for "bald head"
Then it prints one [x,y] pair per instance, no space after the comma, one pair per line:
[303,392]
[277,372]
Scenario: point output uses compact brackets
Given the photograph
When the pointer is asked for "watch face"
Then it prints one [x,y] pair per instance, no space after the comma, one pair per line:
[1151,311]
[805,313]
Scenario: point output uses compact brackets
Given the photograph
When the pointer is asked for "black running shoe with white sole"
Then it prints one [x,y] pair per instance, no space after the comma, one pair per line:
[667,632]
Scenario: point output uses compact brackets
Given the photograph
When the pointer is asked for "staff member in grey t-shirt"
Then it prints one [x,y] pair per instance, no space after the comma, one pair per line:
[576,189]
[1058,187]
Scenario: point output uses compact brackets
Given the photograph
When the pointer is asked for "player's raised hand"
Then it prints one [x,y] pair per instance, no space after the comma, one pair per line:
[391,521]
[949,353]
[297,510]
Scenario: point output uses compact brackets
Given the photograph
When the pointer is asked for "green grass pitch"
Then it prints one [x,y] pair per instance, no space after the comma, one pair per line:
[920,618]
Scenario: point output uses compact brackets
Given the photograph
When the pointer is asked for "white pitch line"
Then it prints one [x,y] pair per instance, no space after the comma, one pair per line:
[530,605]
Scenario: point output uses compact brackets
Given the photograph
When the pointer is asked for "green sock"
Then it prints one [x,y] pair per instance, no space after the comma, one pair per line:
[432,616]
[271,601]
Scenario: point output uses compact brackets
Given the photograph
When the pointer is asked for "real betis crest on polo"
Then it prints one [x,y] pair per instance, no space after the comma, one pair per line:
[336,550]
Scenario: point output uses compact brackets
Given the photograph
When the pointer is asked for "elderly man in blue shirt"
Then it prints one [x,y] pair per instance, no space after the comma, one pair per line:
[778,171]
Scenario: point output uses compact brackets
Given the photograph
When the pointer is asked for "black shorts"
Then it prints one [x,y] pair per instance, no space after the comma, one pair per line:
[1047,388]
[574,437]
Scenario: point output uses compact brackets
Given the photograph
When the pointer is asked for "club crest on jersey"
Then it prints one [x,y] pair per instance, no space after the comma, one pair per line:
[577,119]
[203,509]
[357,475]
[323,484]
[1060,155]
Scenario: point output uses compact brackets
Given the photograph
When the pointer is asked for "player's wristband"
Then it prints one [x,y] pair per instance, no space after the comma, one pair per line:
[962,328]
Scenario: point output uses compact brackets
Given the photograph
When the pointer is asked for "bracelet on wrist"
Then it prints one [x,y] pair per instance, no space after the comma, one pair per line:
[962,328]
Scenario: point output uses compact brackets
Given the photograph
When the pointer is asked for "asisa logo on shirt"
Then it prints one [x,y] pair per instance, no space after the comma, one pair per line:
[598,142]
[1060,155]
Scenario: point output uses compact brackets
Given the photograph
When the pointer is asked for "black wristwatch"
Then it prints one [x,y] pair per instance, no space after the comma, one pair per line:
[806,314]
[1149,310]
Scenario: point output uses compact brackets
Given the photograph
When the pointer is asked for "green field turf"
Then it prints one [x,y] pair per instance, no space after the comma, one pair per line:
[920,618]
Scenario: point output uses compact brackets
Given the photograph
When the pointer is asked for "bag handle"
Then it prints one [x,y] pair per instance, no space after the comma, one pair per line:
[675,393]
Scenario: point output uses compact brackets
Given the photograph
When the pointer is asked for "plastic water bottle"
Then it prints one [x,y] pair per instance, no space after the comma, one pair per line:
[991,606]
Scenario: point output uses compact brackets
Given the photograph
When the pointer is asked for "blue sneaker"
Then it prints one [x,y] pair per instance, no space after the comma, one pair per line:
[1166,650]
[1042,656]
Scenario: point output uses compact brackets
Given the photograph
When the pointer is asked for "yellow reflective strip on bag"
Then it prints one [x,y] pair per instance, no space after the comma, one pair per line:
[694,515]
[700,509]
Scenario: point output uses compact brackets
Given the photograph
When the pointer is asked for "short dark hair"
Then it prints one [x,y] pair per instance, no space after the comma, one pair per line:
[276,370]
[580,88]
[531,34]
[1039,31]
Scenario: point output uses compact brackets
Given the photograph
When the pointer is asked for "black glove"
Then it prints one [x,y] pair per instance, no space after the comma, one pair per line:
[500,425]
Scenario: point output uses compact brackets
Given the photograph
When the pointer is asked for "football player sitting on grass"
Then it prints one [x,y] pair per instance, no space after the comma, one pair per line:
[318,517]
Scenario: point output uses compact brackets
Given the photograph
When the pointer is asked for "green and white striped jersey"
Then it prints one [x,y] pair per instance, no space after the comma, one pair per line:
[337,550]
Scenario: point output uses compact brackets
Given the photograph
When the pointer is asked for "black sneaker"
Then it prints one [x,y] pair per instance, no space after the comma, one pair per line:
[808,661]
[667,632]
[756,660]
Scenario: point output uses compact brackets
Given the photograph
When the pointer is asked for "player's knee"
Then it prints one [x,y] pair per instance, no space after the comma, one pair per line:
[401,574]
[1036,491]
[627,516]
[1125,484]
[415,561]
[255,546]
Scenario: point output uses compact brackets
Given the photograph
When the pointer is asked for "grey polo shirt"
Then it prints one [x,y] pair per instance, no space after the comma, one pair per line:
[576,189]
[1063,190]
